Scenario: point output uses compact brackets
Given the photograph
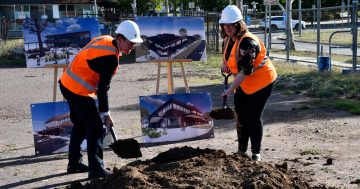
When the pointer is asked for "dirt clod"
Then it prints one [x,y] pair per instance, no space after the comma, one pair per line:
[223,113]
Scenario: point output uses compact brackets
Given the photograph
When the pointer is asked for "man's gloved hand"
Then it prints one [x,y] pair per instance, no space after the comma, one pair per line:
[107,121]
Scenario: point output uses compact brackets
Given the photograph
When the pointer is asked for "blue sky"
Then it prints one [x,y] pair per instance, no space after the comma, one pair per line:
[67,25]
[153,25]
[43,111]
[199,100]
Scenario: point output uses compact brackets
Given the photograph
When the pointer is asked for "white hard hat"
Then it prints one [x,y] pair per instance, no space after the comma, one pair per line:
[230,14]
[130,30]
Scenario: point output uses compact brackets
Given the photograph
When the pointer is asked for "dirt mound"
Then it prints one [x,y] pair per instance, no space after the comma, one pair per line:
[187,167]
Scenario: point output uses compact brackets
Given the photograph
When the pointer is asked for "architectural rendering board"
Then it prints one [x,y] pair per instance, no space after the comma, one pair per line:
[175,117]
[52,128]
[171,38]
[56,42]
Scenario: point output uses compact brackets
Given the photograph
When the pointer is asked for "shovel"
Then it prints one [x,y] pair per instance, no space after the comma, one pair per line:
[125,148]
[225,112]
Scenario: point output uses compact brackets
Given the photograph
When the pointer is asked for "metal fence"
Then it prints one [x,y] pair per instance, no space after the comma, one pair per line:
[329,31]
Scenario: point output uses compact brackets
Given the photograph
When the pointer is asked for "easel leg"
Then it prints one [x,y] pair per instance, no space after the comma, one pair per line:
[184,76]
[158,78]
[170,79]
[55,83]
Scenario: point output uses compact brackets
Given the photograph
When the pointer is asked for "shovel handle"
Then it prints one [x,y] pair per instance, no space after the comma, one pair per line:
[224,101]
[226,77]
[113,133]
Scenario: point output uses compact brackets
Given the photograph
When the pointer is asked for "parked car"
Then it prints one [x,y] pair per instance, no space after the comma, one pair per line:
[278,23]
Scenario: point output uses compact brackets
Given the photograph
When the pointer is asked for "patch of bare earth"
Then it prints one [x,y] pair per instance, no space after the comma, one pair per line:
[187,167]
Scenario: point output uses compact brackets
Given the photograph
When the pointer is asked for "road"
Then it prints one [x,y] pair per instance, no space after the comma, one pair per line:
[278,37]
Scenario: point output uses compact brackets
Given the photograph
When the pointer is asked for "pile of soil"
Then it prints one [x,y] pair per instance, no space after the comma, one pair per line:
[187,167]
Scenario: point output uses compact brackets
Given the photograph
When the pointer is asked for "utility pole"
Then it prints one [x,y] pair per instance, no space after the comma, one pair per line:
[300,17]
[288,28]
[134,7]
[95,9]
[354,29]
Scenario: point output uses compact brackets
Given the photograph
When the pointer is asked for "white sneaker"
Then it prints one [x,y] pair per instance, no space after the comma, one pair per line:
[256,157]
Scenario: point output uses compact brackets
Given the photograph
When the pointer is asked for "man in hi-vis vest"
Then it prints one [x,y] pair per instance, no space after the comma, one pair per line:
[244,55]
[86,79]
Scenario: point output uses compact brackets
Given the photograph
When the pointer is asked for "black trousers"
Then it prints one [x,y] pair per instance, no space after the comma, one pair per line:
[87,124]
[249,110]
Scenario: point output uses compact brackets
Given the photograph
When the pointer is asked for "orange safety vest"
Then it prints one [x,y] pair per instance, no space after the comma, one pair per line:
[79,78]
[264,71]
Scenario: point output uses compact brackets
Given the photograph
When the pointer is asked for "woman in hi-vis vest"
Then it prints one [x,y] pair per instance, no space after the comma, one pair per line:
[244,55]
[86,79]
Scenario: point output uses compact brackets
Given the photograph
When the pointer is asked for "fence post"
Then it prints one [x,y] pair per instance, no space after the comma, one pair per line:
[318,17]
[4,27]
[354,18]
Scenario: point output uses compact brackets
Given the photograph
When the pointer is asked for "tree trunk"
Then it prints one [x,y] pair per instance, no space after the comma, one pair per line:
[239,3]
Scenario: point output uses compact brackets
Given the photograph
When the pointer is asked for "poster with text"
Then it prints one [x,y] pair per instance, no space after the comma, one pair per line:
[171,38]
[175,117]
[52,128]
[56,42]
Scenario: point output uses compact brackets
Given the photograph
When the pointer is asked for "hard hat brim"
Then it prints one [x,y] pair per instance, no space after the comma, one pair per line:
[136,40]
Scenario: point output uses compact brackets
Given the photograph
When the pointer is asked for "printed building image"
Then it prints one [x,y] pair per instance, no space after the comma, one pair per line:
[74,39]
[55,135]
[166,45]
[59,125]
[175,114]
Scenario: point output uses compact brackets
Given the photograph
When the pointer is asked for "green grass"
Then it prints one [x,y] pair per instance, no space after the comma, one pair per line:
[338,90]
[7,57]
[337,38]
[335,90]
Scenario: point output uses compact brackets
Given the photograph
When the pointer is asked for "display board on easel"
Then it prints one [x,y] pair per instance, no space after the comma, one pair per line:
[56,42]
[171,38]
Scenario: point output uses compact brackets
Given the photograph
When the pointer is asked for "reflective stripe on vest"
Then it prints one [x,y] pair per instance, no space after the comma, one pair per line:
[79,78]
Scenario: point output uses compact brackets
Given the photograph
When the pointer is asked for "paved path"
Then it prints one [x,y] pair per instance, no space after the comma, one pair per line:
[309,60]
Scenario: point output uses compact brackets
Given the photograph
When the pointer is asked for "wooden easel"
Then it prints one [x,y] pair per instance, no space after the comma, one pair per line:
[170,74]
[56,67]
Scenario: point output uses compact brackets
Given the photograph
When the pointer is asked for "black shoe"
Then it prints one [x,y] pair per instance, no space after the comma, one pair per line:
[256,157]
[99,174]
[78,168]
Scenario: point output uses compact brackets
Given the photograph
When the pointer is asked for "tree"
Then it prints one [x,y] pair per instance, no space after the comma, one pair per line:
[142,6]
[36,26]
[291,31]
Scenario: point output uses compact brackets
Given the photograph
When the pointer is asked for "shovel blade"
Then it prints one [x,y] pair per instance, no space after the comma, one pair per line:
[223,113]
[126,148]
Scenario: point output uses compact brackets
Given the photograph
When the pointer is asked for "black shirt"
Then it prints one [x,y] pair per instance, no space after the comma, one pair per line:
[105,66]
[245,62]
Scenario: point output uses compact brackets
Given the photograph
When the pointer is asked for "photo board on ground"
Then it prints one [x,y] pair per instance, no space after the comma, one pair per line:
[175,117]
[171,38]
[52,128]
[56,42]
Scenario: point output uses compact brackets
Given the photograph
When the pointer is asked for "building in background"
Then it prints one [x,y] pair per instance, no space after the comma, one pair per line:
[17,11]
